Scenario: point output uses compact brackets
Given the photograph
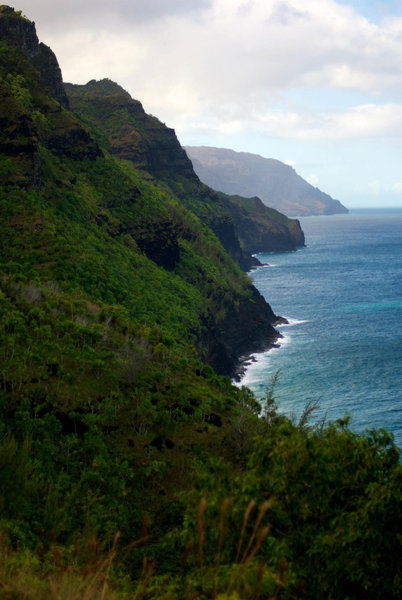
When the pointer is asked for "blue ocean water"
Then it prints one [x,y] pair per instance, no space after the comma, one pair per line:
[342,295]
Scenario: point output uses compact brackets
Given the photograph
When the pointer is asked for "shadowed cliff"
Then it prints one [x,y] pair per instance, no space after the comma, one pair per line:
[123,201]
[154,148]
[116,300]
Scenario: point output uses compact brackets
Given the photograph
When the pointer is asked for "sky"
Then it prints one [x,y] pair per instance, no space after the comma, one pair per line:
[314,83]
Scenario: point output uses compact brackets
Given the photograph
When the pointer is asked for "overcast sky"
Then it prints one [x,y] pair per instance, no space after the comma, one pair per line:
[314,83]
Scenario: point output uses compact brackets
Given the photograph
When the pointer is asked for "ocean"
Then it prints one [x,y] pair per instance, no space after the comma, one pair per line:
[342,296]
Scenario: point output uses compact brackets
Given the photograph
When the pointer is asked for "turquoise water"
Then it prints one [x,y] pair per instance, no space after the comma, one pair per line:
[342,295]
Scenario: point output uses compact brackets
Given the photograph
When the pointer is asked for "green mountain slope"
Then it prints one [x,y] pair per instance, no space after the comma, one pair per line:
[153,148]
[114,297]
[81,198]
[128,467]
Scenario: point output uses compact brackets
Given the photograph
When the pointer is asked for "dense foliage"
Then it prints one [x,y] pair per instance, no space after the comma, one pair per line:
[129,133]
[114,297]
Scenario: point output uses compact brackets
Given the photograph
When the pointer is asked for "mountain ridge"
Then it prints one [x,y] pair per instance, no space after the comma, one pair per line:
[154,149]
[129,468]
[21,33]
[246,174]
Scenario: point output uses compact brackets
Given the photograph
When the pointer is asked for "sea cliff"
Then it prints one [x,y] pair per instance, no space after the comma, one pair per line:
[130,466]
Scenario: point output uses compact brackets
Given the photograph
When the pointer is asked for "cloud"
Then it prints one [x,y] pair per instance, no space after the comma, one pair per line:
[226,65]
[377,187]
[60,15]
[312,179]
[358,122]
[364,122]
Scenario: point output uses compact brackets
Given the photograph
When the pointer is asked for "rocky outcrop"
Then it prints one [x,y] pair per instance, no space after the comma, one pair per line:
[160,244]
[18,142]
[132,134]
[245,329]
[73,142]
[263,229]
[20,32]
[144,216]
[154,148]
[224,229]
[277,184]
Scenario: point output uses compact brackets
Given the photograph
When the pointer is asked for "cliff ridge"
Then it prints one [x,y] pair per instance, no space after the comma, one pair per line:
[277,184]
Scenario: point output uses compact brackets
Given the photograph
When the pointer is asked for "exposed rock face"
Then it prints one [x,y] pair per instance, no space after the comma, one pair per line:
[154,148]
[224,228]
[24,129]
[74,142]
[248,329]
[264,229]
[18,142]
[161,245]
[20,32]
[132,134]
[278,185]
[235,318]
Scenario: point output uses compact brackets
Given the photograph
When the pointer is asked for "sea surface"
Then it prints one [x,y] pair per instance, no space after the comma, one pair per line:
[342,296]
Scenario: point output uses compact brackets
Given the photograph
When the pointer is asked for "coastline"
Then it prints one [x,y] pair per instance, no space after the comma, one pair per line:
[246,360]
[336,352]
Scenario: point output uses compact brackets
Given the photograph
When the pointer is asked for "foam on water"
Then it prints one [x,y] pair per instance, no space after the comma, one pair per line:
[259,365]
[291,322]
[343,343]
[265,266]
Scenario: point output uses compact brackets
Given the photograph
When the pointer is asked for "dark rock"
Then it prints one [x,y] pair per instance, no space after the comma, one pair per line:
[160,244]
[247,328]
[20,32]
[263,229]
[213,419]
[224,229]
[157,443]
[154,148]
[74,143]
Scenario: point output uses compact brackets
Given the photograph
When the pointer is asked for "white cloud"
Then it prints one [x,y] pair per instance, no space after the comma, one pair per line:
[377,187]
[249,49]
[365,122]
[312,179]
[60,15]
[228,69]
[200,56]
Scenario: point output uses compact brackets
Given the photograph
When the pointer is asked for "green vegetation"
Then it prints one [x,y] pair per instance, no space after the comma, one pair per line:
[128,467]
[120,123]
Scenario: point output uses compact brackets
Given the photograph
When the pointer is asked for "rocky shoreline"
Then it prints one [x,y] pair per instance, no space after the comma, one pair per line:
[247,359]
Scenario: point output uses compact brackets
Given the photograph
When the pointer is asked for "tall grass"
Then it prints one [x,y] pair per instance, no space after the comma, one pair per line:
[205,572]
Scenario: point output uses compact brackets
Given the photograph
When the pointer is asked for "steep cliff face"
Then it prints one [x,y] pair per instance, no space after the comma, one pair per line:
[31,120]
[18,143]
[264,229]
[131,133]
[18,31]
[112,232]
[278,185]
[247,328]
[149,145]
